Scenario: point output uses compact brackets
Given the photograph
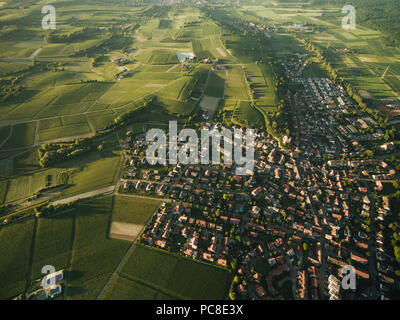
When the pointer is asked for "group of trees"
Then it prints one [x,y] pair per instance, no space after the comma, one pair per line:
[46,210]
[53,152]
[69,37]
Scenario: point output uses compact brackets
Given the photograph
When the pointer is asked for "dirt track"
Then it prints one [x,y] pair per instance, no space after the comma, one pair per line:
[125,231]
[85,195]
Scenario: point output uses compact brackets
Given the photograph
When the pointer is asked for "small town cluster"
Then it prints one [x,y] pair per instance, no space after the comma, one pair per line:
[308,210]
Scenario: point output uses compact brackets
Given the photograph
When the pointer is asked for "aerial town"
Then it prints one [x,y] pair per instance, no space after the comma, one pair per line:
[109,189]
[287,230]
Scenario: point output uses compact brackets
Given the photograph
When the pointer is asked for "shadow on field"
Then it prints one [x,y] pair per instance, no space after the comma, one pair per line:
[74,291]
[73,275]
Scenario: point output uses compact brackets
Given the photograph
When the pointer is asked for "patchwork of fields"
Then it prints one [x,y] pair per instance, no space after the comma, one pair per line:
[360,55]
[77,241]
[74,83]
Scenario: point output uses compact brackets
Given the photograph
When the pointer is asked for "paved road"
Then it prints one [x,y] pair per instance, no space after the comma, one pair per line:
[85,195]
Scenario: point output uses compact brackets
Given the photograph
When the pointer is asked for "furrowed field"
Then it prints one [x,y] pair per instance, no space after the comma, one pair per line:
[15,248]
[75,240]
[133,210]
[360,55]
[149,273]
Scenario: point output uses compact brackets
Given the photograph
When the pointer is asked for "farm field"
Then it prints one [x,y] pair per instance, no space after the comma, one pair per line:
[94,256]
[66,126]
[92,171]
[133,210]
[170,275]
[72,97]
[22,135]
[262,85]
[53,243]
[75,240]
[368,64]
[15,248]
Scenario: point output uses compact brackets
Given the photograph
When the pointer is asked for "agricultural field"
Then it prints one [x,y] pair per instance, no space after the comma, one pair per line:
[56,128]
[246,115]
[23,135]
[360,55]
[75,240]
[92,171]
[53,243]
[133,210]
[216,84]
[236,87]
[15,248]
[69,96]
[172,278]
[94,256]
[262,85]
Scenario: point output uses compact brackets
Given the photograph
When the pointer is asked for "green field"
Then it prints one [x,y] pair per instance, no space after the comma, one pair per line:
[15,248]
[22,136]
[75,240]
[53,243]
[363,66]
[172,276]
[67,126]
[94,256]
[216,84]
[106,58]
[133,210]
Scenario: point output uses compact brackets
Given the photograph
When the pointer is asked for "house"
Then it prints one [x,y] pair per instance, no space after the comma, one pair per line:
[259,290]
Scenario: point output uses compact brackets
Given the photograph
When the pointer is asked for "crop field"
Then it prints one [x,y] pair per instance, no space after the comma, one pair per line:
[367,64]
[216,84]
[53,243]
[92,171]
[22,136]
[245,115]
[155,57]
[88,172]
[94,256]
[262,84]
[3,190]
[133,210]
[236,87]
[100,120]
[5,132]
[67,126]
[25,186]
[209,48]
[75,240]
[168,274]
[15,248]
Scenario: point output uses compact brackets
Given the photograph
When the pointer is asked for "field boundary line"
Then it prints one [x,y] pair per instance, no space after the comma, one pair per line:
[36,133]
[7,138]
[69,261]
[31,256]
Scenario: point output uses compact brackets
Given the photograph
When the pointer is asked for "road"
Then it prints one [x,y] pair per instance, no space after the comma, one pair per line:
[85,195]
